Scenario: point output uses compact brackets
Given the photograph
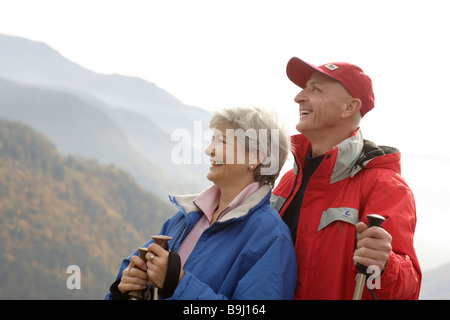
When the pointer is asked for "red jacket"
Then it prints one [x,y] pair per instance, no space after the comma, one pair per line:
[355,178]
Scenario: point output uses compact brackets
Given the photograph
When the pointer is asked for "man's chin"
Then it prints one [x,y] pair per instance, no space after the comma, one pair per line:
[299,126]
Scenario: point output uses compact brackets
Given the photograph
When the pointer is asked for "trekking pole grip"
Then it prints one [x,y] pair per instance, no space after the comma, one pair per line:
[373,220]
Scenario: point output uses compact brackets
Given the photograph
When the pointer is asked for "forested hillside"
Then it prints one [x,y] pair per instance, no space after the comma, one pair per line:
[56,212]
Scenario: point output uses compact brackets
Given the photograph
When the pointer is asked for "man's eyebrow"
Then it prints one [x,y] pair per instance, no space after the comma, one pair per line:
[313,82]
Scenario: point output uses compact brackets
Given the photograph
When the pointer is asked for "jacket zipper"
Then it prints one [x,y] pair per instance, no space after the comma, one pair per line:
[179,235]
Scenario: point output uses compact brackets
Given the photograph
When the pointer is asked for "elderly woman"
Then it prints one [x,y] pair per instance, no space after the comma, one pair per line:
[227,242]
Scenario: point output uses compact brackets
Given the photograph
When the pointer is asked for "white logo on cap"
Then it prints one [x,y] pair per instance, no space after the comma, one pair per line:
[331,66]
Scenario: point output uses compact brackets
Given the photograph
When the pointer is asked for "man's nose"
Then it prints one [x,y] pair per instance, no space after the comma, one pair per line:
[301,97]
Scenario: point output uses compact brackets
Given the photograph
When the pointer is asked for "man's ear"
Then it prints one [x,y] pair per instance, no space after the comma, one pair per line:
[352,106]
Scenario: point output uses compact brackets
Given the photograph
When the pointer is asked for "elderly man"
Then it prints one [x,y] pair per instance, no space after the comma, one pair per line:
[338,179]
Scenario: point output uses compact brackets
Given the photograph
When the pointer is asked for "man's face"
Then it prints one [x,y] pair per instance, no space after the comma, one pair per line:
[321,105]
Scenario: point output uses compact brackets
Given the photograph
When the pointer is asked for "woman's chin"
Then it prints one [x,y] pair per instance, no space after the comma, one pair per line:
[211,176]
[215,173]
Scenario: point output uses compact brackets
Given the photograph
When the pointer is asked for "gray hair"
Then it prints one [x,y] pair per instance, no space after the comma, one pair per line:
[258,130]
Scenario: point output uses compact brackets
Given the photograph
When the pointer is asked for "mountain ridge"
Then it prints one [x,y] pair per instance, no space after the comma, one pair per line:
[35,62]
[436,283]
[80,129]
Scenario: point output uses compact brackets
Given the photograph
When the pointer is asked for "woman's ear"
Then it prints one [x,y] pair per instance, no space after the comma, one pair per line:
[255,158]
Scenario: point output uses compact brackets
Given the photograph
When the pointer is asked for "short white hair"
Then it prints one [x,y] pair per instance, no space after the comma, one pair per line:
[271,138]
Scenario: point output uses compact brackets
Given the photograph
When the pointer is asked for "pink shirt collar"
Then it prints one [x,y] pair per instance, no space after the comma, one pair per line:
[208,200]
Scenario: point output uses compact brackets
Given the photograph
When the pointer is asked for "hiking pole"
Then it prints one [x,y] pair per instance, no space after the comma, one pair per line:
[137,294]
[162,241]
[374,220]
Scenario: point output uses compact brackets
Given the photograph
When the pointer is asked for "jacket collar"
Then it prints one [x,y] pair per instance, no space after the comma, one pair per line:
[186,203]
[348,153]
[351,155]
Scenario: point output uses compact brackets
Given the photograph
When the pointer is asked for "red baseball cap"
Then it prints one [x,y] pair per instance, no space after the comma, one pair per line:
[350,76]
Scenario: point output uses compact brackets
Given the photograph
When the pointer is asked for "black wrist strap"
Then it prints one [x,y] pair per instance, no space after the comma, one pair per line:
[115,292]
[172,275]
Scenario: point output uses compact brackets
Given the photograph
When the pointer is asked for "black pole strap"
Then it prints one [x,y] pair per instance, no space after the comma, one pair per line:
[172,275]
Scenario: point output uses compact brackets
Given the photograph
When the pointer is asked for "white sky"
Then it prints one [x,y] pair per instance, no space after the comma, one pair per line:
[214,54]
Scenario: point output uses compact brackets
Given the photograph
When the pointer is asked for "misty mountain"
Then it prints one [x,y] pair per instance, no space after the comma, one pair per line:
[80,129]
[436,284]
[115,119]
[33,62]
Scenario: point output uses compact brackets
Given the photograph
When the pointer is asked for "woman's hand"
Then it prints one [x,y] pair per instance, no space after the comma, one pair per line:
[134,277]
[157,263]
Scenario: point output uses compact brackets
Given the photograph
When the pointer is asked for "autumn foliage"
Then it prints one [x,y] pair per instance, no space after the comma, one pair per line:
[57,211]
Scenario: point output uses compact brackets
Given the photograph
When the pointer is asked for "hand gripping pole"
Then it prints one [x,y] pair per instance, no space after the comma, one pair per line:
[162,241]
[374,220]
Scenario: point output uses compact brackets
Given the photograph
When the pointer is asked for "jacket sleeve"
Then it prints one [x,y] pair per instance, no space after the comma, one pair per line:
[272,276]
[402,276]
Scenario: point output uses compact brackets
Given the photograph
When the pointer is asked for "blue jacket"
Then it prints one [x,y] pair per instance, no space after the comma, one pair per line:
[247,255]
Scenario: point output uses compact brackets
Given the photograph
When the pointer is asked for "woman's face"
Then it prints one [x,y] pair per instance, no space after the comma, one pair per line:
[229,159]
